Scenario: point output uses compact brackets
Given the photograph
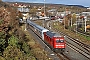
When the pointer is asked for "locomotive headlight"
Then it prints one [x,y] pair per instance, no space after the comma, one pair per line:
[57,45]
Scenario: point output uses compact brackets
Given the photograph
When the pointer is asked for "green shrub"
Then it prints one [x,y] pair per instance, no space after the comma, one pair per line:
[13,41]
[13,53]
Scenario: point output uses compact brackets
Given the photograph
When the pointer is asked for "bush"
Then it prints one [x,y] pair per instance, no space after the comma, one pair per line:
[13,53]
[13,41]
[1,58]
[2,42]
[26,48]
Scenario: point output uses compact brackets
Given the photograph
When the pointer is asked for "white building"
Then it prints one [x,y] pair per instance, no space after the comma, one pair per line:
[85,13]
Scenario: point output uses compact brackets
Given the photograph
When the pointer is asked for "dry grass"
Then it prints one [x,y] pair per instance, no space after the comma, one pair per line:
[36,49]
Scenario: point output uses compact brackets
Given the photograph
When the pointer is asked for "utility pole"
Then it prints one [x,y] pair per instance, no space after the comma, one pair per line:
[71,21]
[26,26]
[64,23]
[44,8]
[85,23]
[64,19]
[76,26]
[44,15]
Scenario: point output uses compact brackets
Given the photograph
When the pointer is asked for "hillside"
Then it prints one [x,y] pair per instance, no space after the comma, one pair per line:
[47,4]
[15,43]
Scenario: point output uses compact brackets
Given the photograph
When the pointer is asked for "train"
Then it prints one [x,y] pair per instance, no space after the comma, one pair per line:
[53,39]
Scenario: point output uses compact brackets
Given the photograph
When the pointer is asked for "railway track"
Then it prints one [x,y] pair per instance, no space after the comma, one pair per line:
[80,48]
[86,47]
[82,33]
[76,45]
[61,56]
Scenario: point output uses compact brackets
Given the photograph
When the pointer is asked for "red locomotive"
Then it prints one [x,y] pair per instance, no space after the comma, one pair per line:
[54,40]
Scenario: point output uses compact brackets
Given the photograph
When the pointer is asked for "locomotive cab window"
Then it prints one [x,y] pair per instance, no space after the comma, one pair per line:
[59,41]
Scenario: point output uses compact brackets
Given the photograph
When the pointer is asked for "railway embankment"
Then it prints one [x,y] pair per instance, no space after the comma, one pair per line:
[36,50]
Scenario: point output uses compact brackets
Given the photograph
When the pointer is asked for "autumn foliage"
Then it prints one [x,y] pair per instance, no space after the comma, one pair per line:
[8,26]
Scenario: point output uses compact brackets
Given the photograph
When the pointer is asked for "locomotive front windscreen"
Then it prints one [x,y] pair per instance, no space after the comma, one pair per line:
[59,40]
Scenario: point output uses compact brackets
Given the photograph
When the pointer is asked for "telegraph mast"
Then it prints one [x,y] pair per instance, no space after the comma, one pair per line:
[44,8]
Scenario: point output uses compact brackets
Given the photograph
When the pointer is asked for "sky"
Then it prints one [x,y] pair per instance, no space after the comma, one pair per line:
[85,3]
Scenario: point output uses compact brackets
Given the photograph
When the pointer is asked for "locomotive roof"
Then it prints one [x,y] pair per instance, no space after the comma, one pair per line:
[53,34]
